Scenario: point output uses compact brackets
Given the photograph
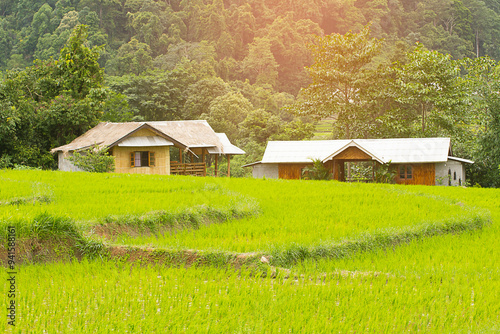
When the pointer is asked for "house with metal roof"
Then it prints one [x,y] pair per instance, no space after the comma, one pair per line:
[147,147]
[427,161]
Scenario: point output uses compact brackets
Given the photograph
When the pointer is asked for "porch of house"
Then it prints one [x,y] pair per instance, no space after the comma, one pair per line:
[196,165]
[354,170]
[353,165]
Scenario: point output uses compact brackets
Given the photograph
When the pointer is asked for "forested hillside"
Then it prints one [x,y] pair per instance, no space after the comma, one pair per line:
[238,63]
[260,40]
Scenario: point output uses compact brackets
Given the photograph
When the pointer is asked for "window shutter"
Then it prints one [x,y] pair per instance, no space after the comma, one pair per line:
[132,159]
[151,158]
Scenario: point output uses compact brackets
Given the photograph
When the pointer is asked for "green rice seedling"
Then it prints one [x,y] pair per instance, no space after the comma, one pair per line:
[89,199]
[102,297]
[311,214]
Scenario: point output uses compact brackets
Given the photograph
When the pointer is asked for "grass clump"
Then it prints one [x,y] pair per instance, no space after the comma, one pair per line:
[163,221]
[370,242]
[45,227]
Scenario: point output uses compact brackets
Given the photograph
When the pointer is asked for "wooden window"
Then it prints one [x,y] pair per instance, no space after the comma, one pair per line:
[402,172]
[142,159]
[405,172]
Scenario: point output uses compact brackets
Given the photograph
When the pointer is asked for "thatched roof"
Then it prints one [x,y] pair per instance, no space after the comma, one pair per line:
[190,133]
[227,146]
[184,134]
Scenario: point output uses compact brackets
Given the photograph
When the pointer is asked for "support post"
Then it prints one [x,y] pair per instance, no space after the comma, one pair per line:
[180,155]
[229,165]
[216,169]
[373,171]
[203,160]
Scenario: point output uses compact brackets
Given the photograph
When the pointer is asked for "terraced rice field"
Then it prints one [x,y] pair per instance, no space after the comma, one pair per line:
[323,256]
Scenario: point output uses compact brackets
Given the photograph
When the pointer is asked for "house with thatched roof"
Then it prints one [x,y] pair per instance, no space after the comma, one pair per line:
[426,161]
[147,147]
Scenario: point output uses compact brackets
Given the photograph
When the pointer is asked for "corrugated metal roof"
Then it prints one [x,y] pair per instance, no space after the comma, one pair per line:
[145,141]
[399,150]
[461,160]
[300,151]
[408,150]
[196,133]
[252,164]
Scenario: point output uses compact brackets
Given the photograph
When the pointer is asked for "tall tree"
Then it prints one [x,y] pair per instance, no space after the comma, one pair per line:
[428,87]
[260,65]
[482,143]
[343,84]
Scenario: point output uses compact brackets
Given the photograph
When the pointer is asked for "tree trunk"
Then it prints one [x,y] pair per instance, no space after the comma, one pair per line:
[216,167]
[477,43]
[423,119]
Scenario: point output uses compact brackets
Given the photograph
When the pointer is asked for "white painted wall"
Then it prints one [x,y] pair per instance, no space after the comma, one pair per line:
[270,171]
[450,171]
[66,165]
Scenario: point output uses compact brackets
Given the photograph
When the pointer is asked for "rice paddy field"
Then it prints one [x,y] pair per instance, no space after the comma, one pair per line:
[336,257]
[324,128]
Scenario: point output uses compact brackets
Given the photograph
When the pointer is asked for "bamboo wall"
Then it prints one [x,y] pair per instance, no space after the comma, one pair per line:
[424,174]
[122,157]
[143,133]
[122,160]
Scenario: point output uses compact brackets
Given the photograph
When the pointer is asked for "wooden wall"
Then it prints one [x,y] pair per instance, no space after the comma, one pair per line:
[424,174]
[291,171]
[337,169]
[352,153]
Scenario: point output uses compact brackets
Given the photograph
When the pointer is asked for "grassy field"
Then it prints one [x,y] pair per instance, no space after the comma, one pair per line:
[343,257]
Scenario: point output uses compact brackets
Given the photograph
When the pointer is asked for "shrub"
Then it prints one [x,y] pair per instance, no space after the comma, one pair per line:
[384,174]
[317,171]
[95,159]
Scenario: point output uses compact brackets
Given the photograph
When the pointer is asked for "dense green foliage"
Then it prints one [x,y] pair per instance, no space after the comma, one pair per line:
[441,283]
[261,40]
[50,103]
